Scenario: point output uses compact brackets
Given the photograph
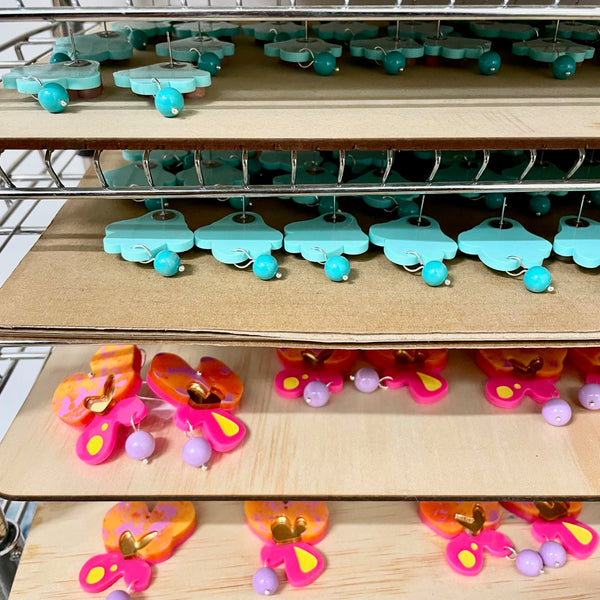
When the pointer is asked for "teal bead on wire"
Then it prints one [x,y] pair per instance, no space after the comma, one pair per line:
[324,63]
[265,267]
[167,263]
[564,67]
[394,62]
[210,62]
[537,280]
[489,63]
[337,268]
[169,102]
[434,273]
[53,97]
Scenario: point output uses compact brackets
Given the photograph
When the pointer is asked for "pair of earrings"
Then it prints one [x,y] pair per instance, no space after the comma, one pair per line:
[135,538]
[101,401]
[315,374]
[289,530]
[472,527]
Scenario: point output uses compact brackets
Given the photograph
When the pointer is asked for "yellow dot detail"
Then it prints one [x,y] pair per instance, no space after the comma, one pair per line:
[583,536]
[104,426]
[517,386]
[95,575]
[504,392]
[432,384]
[113,568]
[228,427]
[304,376]
[306,561]
[474,546]
[95,445]
[466,558]
[290,383]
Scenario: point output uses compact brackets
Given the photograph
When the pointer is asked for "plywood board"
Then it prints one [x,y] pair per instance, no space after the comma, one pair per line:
[358,446]
[68,288]
[258,102]
[373,549]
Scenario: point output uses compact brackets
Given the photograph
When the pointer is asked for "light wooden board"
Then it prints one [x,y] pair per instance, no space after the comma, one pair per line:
[68,288]
[258,102]
[358,446]
[372,550]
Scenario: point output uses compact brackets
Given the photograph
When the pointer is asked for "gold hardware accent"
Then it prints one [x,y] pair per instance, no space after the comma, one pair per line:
[100,405]
[472,523]
[528,370]
[284,532]
[203,396]
[129,546]
[317,357]
[410,357]
[552,510]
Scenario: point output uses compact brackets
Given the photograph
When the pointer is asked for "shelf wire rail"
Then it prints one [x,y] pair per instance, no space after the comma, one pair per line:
[346,10]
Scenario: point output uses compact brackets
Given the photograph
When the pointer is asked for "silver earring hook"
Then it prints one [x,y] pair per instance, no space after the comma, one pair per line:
[323,253]
[150,255]
[312,58]
[416,268]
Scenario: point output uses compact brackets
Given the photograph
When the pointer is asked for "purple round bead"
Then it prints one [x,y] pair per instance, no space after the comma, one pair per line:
[589,396]
[265,581]
[553,554]
[556,412]
[196,452]
[529,562]
[118,595]
[366,380]
[140,445]
[316,394]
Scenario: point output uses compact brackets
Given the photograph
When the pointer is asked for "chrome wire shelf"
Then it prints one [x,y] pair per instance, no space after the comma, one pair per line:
[347,10]
[9,190]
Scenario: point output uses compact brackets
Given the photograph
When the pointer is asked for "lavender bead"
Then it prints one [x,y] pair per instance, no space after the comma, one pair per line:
[589,396]
[316,394]
[556,412]
[366,380]
[118,595]
[196,452]
[553,554]
[529,562]
[140,445]
[265,581]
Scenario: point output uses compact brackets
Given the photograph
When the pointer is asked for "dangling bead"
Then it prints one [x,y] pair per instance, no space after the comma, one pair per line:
[59,57]
[169,102]
[394,62]
[138,39]
[265,267]
[210,62]
[553,554]
[564,67]
[556,412]
[493,201]
[118,595]
[540,205]
[337,268]
[324,63]
[140,445]
[316,394]
[489,63]
[434,273]
[167,263]
[265,581]
[197,452]
[154,203]
[529,563]
[537,279]
[53,97]
[366,380]
[589,396]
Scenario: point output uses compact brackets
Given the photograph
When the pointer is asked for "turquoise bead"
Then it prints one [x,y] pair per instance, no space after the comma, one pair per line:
[324,63]
[53,97]
[537,279]
[337,268]
[493,201]
[210,62]
[394,62]
[563,67]
[59,57]
[167,263]
[153,203]
[138,39]
[169,102]
[539,205]
[489,63]
[434,273]
[265,267]
[239,203]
